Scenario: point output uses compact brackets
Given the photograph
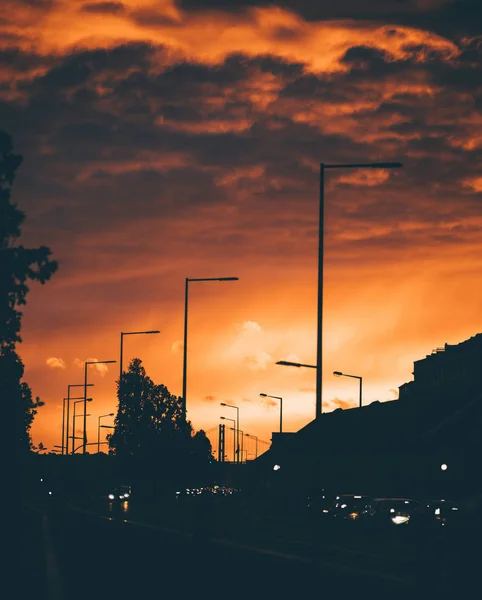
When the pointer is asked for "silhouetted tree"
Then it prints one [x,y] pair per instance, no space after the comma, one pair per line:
[149,425]
[18,265]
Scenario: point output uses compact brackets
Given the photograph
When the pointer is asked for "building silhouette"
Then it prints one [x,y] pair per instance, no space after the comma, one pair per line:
[395,447]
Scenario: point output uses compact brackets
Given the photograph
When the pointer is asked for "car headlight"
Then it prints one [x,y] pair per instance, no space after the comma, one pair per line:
[400,519]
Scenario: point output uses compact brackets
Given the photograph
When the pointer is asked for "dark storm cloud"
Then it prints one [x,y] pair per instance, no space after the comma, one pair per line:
[452,18]
[127,136]
[104,8]
[151,18]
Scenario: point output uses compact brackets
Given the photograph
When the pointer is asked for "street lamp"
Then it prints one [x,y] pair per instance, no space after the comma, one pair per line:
[319,345]
[287,363]
[280,409]
[123,333]
[234,437]
[184,367]
[240,452]
[63,424]
[98,429]
[340,374]
[68,411]
[79,398]
[256,438]
[84,400]
[237,421]
[86,364]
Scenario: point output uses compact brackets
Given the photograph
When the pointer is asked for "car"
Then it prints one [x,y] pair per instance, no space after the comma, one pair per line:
[445,512]
[122,493]
[319,501]
[396,511]
[349,506]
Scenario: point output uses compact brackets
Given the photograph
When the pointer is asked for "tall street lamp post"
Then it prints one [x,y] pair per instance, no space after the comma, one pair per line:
[98,429]
[234,437]
[123,333]
[71,385]
[86,364]
[256,438]
[237,424]
[319,328]
[79,398]
[63,424]
[280,409]
[340,374]
[84,400]
[239,451]
[184,367]
[319,344]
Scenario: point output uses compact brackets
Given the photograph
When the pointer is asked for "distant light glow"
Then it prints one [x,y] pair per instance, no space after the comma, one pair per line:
[276,468]
[399,519]
[111,496]
[443,467]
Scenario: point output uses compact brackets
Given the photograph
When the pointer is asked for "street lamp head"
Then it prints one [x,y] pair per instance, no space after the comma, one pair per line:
[88,399]
[337,373]
[222,418]
[223,404]
[287,363]
[265,395]
[228,279]
[99,362]
[110,415]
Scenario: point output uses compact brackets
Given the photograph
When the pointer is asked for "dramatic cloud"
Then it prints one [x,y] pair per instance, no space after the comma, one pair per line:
[177,346]
[258,361]
[251,326]
[55,363]
[99,367]
[165,140]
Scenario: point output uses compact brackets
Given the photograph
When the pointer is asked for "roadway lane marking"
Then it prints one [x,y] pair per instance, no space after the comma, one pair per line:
[54,586]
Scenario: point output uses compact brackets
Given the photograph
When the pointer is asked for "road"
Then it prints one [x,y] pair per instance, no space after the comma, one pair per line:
[120,551]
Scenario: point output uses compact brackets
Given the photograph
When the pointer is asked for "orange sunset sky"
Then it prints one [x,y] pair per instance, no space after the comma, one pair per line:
[168,139]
